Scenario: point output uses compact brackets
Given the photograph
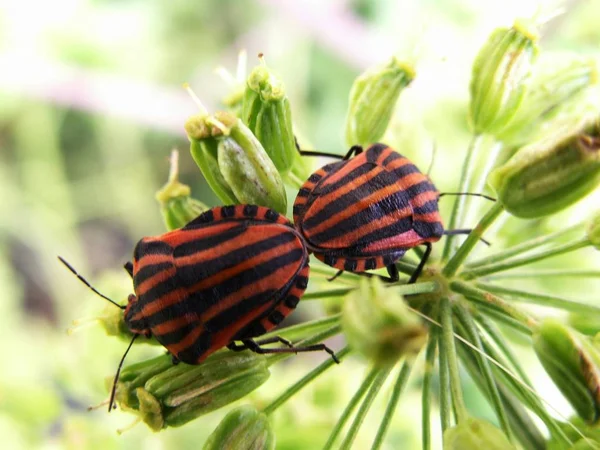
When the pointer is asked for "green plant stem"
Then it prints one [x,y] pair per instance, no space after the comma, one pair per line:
[358,395]
[494,334]
[364,407]
[463,251]
[525,246]
[317,338]
[446,411]
[425,287]
[426,389]
[550,301]
[499,316]
[327,294]
[549,273]
[524,260]
[458,209]
[304,381]
[481,296]
[471,333]
[449,350]
[391,407]
[301,330]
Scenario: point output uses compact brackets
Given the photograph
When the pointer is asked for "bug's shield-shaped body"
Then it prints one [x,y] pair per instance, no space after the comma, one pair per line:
[366,212]
[233,273]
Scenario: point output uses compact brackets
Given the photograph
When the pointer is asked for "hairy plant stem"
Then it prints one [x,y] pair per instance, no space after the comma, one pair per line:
[304,381]
[458,208]
[523,260]
[358,395]
[392,404]
[449,354]
[426,389]
[548,273]
[550,301]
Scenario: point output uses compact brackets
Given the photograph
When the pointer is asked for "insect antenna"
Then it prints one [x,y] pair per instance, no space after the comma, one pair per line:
[84,281]
[464,231]
[487,197]
[114,386]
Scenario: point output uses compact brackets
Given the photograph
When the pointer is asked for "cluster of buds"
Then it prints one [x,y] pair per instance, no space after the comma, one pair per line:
[244,428]
[166,395]
[475,434]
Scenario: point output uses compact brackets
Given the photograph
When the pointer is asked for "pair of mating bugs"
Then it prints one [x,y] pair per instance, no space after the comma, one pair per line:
[235,272]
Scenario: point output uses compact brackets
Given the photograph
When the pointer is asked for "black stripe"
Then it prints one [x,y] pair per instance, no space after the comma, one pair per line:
[428,229]
[228,211]
[250,210]
[291,301]
[253,329]
[271,215]
[198,302]
[374,151]
[314,178]
[385,207]
[276,317]
[363,169]
[176,335]
[202,219]
[207,242]
[227,318]
[200,346]
[393,156]
[429,207]
[145,247]
[149,271]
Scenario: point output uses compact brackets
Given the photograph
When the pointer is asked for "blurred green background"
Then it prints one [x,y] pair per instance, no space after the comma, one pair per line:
[91,105]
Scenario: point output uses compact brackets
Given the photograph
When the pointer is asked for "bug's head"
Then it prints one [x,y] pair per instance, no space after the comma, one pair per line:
[133,316]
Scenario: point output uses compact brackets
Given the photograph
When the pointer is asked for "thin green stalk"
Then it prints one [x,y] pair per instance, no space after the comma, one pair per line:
[425,287]
[358,395]
[500,342]
[301,330]
[304,381]
[472,334]
[317,338]
[525,429]
[472,239]
[449,348]
[391,407]
[548,273]
[481,296]
[458,209]
[446,411]
[426,389]
[550,301]
[524,260]
[327,294]
[364,407]
[499,316]
[524,246]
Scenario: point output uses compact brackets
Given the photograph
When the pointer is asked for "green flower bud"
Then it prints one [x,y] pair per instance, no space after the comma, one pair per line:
[549,175]
[248,170]
[373,98]
[499,77]
[571,360]
[378,324]
[244,428]
[176,204]
[593,230]
[167,395]
[558,91]
[475,434]
[203,147]
[234,162]
[266,111]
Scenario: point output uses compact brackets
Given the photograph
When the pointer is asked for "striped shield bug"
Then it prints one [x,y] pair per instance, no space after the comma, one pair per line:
[366,211]
[231,274]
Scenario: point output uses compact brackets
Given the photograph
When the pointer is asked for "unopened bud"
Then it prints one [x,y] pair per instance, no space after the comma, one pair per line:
[571,360]
[266,111]
[167,395]
[564,88]
[373,98]
[547,176]
[499,77]
[176,203]
[378,324]
[250,173]
[475,434]
[244,428]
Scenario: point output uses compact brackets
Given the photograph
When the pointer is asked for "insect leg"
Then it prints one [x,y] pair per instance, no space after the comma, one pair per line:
[419,268]
[354,150]
[271,340]
[256,348]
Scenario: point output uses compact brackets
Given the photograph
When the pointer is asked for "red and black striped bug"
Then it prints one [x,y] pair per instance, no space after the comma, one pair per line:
[231,274]
[365,212]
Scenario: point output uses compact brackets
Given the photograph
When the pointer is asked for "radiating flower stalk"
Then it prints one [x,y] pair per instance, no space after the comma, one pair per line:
[458,316]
